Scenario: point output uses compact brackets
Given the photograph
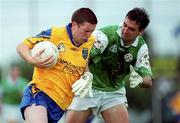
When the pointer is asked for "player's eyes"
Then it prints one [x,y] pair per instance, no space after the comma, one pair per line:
[132,29]
[124,25]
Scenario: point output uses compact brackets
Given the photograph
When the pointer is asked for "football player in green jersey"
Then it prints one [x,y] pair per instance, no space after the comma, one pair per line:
[120,55]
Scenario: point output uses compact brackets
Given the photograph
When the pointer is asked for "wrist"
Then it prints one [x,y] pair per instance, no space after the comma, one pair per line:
[89,74]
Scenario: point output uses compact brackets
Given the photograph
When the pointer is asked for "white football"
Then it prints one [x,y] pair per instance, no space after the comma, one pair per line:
[50,49]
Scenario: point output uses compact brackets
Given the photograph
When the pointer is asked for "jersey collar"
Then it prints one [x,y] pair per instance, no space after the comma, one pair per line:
[68,28]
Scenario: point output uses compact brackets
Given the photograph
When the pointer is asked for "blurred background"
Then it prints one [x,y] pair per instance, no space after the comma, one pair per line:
[20,19]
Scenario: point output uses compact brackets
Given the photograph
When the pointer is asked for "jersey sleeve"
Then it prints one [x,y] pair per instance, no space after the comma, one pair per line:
[100,43]
[142,64]
[44,35]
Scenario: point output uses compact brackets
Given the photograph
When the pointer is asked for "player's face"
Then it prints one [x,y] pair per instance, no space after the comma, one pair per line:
[130,30]
[82,32]
[15,72]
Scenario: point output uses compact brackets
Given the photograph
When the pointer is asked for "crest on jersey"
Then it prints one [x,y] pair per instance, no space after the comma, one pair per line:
[113,48]
[61,47]
[128,57]
[85,53]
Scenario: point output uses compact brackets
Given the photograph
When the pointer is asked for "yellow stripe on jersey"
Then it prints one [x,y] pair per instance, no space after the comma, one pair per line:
[56,82]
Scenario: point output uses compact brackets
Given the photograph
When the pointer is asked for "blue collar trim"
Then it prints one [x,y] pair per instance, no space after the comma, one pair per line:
[68,28]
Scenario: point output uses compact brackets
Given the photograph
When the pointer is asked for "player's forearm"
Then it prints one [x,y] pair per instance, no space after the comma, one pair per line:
[24,51]
[87,67]
[147,82]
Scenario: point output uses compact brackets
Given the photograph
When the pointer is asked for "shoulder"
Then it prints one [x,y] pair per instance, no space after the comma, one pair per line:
[142,43]
[111,32]
[141,40]
[57,30]
[110,28]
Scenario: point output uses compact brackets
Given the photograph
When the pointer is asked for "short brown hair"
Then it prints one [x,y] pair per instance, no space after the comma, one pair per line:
[84,15]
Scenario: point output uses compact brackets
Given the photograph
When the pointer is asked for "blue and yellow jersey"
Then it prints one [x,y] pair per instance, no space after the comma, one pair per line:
[56,82]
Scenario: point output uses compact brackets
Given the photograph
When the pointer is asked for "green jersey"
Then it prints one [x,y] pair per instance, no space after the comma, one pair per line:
[13,90]
[110,68]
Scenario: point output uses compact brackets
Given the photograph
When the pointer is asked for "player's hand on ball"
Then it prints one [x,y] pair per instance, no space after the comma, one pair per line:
[135,79]
[83,86]
[42,63]
[44,54]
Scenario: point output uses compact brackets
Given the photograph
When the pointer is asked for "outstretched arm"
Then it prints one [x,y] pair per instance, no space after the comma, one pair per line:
[147,82]
[143,74]
[136,80]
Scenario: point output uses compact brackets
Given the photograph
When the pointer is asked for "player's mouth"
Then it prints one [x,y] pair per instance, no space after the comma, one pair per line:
[125,35]
[85,40]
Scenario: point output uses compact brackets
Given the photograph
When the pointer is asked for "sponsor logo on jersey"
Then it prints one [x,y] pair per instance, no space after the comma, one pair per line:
[85,53]
[61,47]
[70,68]
[113,48]
[128,57]
[144,60]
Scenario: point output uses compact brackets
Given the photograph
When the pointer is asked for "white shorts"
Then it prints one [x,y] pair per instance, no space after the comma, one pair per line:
[100,101]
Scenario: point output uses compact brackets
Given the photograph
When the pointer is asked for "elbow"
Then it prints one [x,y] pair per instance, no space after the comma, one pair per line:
[17,48]
[147,83]
[150,83]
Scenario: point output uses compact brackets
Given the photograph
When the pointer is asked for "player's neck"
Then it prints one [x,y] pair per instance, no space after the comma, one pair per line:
[128,43]
[77,43]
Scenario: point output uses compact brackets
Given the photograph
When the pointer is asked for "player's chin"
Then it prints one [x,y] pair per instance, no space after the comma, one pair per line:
[84,40]
[125,38]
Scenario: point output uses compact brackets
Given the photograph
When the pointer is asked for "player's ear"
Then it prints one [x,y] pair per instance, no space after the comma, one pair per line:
[141,32]
[74,24]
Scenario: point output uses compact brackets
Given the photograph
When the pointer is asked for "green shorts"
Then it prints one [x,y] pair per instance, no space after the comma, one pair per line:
[100,101]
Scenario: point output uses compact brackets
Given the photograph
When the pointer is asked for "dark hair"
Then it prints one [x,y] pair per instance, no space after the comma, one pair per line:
[14,65]
[84,15]
[140,16]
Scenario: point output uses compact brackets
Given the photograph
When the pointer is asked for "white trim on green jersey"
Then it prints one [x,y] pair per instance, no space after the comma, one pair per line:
[143,58]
